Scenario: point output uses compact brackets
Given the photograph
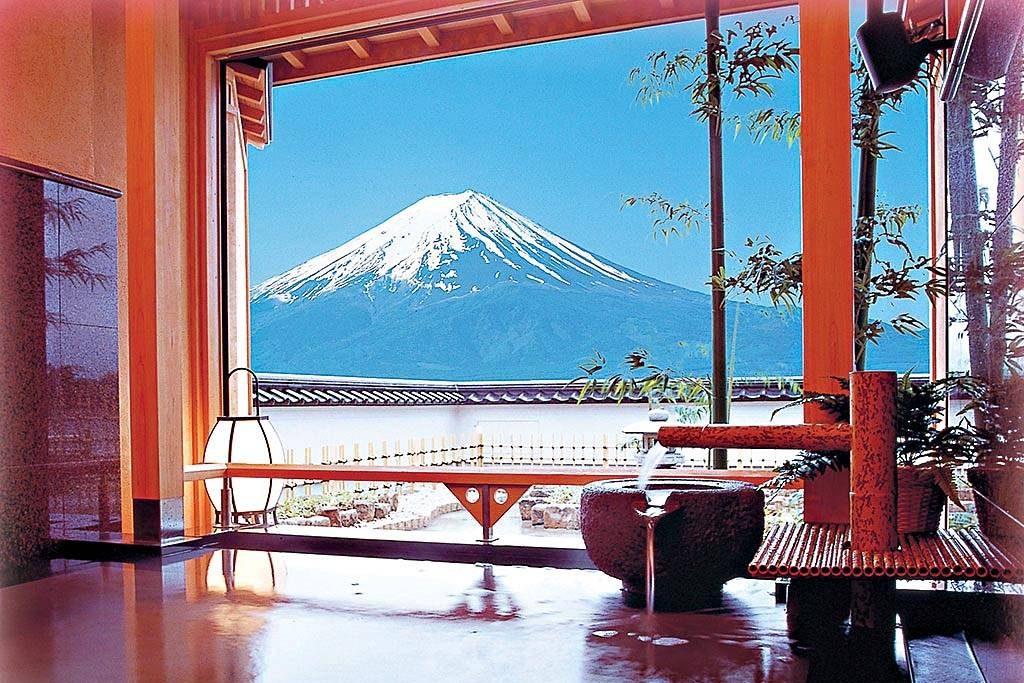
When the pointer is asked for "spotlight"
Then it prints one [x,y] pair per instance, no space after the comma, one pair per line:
[891,57]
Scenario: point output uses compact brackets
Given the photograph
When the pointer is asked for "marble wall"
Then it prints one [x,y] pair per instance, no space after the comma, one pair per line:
[59,423]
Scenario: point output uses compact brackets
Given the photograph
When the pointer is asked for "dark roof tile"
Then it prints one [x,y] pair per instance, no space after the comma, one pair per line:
[307,390]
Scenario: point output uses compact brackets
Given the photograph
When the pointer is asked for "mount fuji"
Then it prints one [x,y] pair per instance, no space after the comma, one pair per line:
[460,287]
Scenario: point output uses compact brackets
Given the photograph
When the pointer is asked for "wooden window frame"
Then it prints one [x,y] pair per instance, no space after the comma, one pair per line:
[825,163]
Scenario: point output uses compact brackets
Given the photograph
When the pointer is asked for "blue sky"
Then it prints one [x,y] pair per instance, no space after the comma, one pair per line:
[550,130]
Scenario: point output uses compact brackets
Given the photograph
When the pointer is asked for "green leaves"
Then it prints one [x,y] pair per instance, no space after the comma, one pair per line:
[870,106]
[750,59]
[766,271]
[670,219]
[769,124]
[643,379]
[666,75]
[921,439]
[997,432]
[806,466]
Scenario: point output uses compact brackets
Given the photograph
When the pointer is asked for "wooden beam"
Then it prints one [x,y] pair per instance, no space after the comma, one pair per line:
[582,11]
[504,23]
[360,46]
[252,75]
[251,113]
[249,94]
[937,184]
[430,35]
[141,208]
[322,22]
[826,210]
[255,131]
[156,228]
[810,437]
[529,29]
[459,474]
[295,58]
[459,38]
[203,249]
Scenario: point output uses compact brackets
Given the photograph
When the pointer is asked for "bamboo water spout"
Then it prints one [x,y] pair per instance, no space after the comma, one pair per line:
[870,437]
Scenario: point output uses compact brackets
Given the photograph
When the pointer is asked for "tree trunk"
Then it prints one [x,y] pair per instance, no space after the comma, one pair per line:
[863,233]
[1002,232]
[965,228]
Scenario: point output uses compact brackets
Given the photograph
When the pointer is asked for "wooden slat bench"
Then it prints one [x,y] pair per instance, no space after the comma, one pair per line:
[869,548]
[823,550]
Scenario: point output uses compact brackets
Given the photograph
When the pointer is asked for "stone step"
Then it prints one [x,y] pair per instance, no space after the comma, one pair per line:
[942,659]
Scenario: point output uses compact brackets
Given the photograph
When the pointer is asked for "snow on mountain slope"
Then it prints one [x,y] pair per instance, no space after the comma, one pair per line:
[449,243]
[459,287]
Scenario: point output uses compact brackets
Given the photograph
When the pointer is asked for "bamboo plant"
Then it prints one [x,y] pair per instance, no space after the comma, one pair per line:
[743,62]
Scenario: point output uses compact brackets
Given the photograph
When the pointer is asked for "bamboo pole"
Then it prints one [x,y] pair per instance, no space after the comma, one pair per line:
[814,437]
[872,501]
[873,461]
[719,381]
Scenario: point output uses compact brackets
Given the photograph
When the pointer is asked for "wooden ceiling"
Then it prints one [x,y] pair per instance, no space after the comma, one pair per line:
[454,28]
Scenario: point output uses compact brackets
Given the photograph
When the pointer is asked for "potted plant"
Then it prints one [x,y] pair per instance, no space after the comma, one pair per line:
[926,452]
[997,475]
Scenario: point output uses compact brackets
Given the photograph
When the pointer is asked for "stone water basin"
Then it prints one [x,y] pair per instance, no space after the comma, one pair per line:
[708,535]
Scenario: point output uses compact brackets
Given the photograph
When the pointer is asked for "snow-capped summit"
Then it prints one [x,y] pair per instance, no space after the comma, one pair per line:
[460,287]
[448,243]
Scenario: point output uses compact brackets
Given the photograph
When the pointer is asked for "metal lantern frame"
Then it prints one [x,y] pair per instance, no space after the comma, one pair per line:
[223,496]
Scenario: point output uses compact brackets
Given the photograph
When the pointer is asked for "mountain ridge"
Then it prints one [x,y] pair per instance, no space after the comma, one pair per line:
[433,234]
[460,287]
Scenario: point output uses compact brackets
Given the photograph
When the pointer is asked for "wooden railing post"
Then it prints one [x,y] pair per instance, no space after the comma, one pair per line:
[225,504]
[307,458]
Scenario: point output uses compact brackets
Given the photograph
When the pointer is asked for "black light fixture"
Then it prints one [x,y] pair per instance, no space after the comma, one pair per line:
[891,56]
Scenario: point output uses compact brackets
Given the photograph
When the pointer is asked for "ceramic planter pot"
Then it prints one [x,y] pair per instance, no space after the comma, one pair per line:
[711,532]
[1002,486]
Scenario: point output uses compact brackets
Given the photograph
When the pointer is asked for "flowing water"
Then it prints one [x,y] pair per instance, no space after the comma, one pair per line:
[652,459]
[656,501]
[651,516]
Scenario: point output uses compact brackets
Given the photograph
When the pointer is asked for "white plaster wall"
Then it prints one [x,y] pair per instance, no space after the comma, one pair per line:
[316,427]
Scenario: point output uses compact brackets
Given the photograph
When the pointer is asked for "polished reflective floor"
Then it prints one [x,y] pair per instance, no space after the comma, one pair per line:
[230,615]
[238,616]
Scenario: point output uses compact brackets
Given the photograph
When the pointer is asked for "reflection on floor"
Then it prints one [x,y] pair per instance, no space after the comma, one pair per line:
[243,615]
[452,527]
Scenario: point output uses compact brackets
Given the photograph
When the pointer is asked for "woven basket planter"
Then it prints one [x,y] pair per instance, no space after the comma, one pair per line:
[919,501]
